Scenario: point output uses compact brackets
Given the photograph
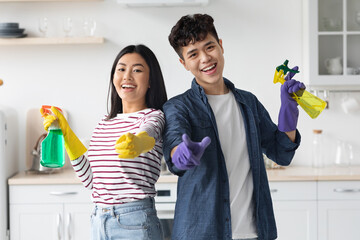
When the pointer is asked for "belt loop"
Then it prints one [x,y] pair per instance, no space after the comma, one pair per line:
[152,200]
[112,211]
[94,210]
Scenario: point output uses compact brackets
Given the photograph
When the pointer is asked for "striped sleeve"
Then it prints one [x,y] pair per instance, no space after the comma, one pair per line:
[82,169]
[153,124]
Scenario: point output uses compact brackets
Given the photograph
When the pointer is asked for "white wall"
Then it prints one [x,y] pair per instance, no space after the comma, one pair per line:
[257,36]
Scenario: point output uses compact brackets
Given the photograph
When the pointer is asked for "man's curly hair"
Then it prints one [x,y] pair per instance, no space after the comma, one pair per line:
[190,29]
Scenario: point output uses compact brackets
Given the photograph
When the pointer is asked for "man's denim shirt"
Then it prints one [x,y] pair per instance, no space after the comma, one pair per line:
[202,209]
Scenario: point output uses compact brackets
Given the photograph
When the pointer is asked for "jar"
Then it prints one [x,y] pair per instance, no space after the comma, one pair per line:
[317,149]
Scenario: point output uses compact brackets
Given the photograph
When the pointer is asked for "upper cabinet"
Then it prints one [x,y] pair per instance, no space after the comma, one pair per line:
[332,43]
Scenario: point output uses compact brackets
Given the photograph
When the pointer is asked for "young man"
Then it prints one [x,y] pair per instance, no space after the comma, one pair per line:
[214,139]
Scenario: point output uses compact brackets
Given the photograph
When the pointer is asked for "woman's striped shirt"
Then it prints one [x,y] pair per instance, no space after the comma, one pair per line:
[114,180]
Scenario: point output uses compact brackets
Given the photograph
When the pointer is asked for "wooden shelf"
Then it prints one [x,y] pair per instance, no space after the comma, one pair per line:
[51,41]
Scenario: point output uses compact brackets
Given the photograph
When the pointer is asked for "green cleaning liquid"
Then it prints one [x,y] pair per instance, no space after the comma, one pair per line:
[52,149]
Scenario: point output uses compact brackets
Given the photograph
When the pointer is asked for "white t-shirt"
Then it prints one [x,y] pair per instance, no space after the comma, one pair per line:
[232,136]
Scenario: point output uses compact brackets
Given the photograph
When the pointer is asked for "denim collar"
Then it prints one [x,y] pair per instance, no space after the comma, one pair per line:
[199,90]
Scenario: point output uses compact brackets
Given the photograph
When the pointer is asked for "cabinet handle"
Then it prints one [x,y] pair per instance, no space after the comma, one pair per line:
[69,226]
[63,193]
[58,222]
[346,190]
[273,190]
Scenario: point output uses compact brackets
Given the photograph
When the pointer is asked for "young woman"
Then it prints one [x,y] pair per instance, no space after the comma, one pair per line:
[123,162]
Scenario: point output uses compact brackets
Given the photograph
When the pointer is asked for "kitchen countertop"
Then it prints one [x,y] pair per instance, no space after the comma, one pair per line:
[314,174]
[67,176]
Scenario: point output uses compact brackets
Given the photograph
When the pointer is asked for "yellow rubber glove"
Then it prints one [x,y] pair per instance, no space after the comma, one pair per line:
[73,145]
[131,146]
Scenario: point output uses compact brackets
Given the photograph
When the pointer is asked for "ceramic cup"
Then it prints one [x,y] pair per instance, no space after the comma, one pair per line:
[350,105]
[350,71]
[334,65]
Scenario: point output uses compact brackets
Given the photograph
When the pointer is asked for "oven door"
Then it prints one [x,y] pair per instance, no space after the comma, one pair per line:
[165,205]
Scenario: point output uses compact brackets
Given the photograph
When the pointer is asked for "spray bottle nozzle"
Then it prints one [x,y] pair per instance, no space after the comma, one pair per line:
[285,68]
[46,109]
[281,72]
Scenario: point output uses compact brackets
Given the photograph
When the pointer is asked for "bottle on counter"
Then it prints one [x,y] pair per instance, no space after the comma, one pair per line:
[317,149]
[52,147]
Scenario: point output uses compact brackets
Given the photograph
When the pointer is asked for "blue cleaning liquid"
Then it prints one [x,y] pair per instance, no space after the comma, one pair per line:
[52,149]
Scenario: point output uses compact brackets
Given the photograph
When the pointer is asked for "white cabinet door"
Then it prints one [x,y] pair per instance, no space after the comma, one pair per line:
[77,221]
[295,220]
[36,221]
[55,212]
[339,220]
[295,210]
[339,210]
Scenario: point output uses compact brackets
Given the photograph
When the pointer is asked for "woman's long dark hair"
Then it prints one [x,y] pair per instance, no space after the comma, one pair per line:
[155,95]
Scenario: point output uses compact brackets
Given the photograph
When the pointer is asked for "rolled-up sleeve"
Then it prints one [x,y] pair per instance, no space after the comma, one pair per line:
[176,124]
[276,144]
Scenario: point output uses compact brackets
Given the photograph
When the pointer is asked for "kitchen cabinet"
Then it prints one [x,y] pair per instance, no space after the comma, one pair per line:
[50,212]
[295,209]
[309,204]
[51,41]
[339,210]
[331,44]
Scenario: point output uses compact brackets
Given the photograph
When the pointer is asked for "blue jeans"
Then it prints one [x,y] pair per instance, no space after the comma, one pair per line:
[129,221]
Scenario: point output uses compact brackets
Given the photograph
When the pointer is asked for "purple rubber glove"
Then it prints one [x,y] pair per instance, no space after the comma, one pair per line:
[289,113]
[189,153]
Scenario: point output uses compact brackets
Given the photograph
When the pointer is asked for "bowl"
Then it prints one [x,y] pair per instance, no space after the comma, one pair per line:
[8,25]
[7,31]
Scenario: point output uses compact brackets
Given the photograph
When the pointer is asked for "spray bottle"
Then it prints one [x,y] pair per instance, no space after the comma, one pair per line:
[312,105]
[52,147]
